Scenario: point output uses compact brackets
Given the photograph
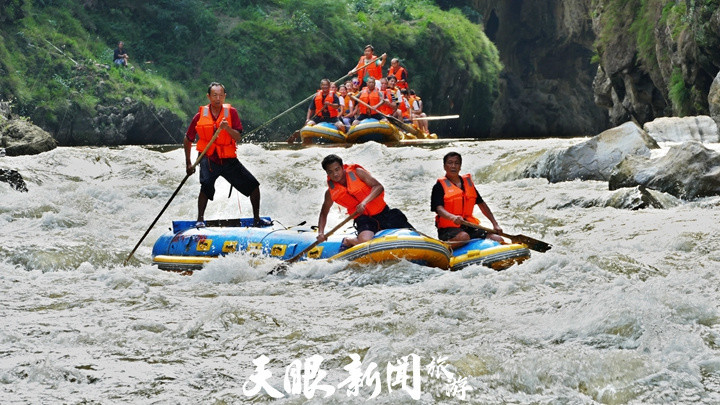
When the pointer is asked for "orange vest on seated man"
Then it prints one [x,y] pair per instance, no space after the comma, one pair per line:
[369,98]
[458,201]
[398,73]
[319,101]
[386,109]
[206,126]
[356,191]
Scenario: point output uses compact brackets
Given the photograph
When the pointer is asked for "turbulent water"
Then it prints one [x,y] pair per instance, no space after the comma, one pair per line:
[623,309]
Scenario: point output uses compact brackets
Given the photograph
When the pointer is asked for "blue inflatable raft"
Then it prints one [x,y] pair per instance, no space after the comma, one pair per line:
[186,248]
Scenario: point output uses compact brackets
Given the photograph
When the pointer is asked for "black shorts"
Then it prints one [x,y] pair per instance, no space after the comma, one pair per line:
[318,120]
[231,170]
[377,116]
[385,219]
[449,233]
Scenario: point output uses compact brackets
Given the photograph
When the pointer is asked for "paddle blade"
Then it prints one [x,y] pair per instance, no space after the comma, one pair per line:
[534,244]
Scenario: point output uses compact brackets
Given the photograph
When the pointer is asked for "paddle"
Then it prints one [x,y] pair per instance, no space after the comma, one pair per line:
[352,72]
[531,243]
[437,117]
[197,161]
[405,127]
[283,266]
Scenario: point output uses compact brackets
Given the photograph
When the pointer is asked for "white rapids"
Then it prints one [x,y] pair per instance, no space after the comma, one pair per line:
[623,309]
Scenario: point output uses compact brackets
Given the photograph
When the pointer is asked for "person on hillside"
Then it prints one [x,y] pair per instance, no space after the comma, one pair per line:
[373,69]
[374,98]
[416,108]
[324,107]
[399,72]
[220,158]
[352,187]
[453,199]
[120,56]
[346,106]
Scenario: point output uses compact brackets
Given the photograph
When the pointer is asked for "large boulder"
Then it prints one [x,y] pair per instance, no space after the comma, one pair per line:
[594,159]
[20,137]
[687,171]
[673,129]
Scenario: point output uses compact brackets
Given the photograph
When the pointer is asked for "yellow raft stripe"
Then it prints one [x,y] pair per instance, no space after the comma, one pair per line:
[183,259]
[431,251]
[512,252]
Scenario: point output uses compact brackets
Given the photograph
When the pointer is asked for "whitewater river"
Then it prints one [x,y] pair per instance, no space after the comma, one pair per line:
[623,309]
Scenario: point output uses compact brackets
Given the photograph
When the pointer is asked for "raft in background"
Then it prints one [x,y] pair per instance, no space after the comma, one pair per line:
[371,129]
[323,132]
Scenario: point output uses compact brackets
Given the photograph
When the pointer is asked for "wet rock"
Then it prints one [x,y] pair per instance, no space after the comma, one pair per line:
[687,171]
[4,111]
[20,137]
[714,99]
[127,122]
[673,129]
[635,198]
[13,178]
[594,159]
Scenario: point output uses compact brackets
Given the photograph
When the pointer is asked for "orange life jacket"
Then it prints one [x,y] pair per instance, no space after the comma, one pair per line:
[412,100]
[384,108]
[373,70]
[404,108]
[369,98]
[206,126]
[319,101]
[345,103]
[458,201]
[398,75]
[356,191]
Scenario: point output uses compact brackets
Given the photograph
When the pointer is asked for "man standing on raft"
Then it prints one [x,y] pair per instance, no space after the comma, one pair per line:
[220,159]
[453,199]
[354,188]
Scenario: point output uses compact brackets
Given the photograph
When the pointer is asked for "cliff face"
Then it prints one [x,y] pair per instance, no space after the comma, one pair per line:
[546,48]
[657,58]
[575,67]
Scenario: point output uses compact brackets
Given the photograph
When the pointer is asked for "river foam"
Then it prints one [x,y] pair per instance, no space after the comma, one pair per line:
[622,309]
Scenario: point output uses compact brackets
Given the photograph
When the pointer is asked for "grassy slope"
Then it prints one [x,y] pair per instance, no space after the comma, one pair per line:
[269,54]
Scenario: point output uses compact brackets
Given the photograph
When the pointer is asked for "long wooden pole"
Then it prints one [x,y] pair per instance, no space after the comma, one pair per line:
[197,161]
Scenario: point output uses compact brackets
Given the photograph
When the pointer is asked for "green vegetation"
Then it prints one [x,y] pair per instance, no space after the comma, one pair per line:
[679,94]
[51,66]
[270,55]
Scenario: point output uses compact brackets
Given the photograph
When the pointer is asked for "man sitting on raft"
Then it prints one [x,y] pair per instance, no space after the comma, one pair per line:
[324,107]
[372,97]
[453,199]
[354,188]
